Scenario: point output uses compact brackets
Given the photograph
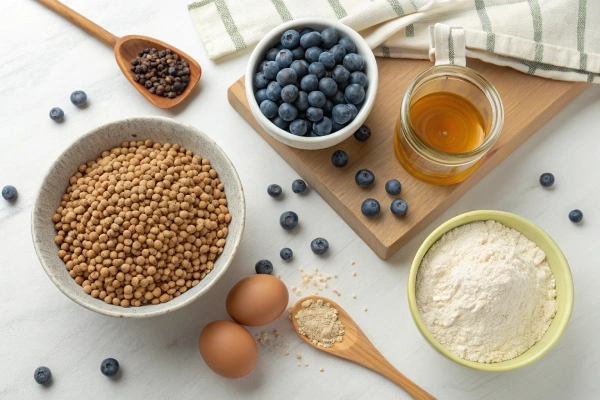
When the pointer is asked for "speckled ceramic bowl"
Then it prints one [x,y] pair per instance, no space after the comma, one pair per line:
[89,147]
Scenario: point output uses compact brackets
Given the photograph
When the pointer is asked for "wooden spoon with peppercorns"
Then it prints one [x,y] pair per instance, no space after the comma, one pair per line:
[128,48]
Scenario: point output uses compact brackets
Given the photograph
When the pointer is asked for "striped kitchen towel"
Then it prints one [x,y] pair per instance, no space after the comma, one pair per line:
[558,39]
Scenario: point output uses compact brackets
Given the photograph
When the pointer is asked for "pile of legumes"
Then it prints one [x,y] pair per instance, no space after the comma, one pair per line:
[142,224]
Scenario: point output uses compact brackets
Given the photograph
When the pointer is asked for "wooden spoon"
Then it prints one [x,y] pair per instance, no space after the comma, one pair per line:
[126,49]
[356,347]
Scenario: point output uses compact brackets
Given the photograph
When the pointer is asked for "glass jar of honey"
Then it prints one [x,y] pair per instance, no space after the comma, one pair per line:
[450,117]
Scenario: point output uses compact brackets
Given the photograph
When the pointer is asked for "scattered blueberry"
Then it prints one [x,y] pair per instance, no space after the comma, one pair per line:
[42,375]
[339,158]
[298,53]
[327,59]
[288,220]
[260,95]
[270,70]
[312,54]
[339,52]
[364,178]
[348,44]
[290,39]
[274,190]
[393,187]
[576,216]
[314,114]
[316,99]
[358,78]
[317,69]
[341,113]
[319,246]
[305,31]
[78,98]
[260,81]
[329,37]
[57,114]
[370,208]
[322,127]
[363,133]
[280,122]
[310,39]
[289,93]
[273,91]
[284,58]
[298,127]
[271,54]
[9,193]
[298,186]
[286,76]
[286,254]
[301,102]
[547,179]
[109,367]
[340,74]
[288,112]
[354,93]
[264,267]
[399,207]
[300,67]
[329,87]
[309,83]
[353,62]
[269,108]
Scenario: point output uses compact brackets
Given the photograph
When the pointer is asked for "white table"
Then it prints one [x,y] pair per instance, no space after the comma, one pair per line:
[45,58]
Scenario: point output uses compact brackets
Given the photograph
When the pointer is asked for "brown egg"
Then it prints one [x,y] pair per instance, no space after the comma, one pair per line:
[257,300]
[228,349]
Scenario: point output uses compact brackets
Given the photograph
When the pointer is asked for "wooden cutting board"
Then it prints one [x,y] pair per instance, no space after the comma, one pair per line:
[529,102]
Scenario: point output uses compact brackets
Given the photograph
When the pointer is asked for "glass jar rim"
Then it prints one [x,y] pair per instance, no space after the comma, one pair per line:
[465,74]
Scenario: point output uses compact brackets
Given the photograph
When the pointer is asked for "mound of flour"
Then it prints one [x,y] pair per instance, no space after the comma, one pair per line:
[485,292]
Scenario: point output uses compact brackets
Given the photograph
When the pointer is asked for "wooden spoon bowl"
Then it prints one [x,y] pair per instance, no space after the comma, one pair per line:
[355,346]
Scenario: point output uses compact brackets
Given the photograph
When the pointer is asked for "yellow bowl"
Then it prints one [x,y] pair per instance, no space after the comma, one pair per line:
[556,260]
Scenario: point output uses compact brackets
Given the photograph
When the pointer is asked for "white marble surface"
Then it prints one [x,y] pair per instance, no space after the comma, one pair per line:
[45,58]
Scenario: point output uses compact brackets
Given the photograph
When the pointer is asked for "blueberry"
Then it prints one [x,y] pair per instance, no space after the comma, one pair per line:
[305,31]
[339,158]
[340,74]
[310,39]
[288,112]
[353,62]
[319,246]
[301,102]
[338,98]
[317,69]
[57,114]
[288,220]
[298,127]
[300,67]
[353,110]
[298,186]
[270,70]
[280,122]
[316,99]
[339,52]
[309,83]
[298,53]
[260,95]
[348,44]
[286,254]
[9,193]
[393,187]
[284,58]
[322,127]
[271,54]
[329,37]
[286,76]
[260,81]
[370,208]
[328,107]
[336,127]
[354,93]
[314,114]
[359,78]
[269,108]
[328,86]
[576,216]
[312,54]
[547,179]
[290,39]
[264,267]
[399,207]
[343,85]
[311,133]
[364,178]
[289,93]
[109,367]
[363,133]
[327,59]
[274,91]
[42,375]
[78,98]
[341,113]
[274,190]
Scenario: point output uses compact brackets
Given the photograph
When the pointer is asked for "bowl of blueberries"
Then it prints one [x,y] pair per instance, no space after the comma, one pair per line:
[311,82]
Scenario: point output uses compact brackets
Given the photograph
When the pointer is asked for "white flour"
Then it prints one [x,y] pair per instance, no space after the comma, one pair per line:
[485,292]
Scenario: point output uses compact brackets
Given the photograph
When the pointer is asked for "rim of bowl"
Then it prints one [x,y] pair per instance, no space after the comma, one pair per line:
[145,311]
[371,92]
[485,215]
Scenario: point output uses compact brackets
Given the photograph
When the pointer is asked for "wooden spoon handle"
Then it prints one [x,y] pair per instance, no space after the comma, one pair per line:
[82,21]
[383,367]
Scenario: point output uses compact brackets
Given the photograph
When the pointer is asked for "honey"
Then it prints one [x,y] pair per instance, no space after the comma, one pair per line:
[448,122]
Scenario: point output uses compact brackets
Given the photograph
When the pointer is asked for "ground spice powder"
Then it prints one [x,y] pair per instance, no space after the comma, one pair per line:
[319,322]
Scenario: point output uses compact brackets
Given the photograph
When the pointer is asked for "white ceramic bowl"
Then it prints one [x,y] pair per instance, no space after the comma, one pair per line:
[313,143]
[89,147]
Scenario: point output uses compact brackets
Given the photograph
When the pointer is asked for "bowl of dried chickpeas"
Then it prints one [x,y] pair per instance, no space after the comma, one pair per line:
[139,217]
